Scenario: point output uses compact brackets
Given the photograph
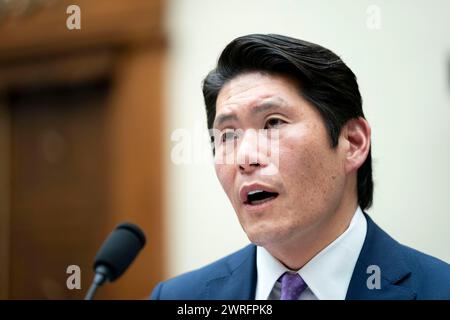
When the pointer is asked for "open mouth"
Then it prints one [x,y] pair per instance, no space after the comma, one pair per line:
[256,197]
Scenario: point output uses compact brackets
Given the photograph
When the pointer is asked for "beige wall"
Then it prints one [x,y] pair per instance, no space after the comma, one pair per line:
[402,72]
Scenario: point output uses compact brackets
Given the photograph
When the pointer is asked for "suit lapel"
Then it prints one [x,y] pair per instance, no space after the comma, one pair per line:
[380,250]
[238,281]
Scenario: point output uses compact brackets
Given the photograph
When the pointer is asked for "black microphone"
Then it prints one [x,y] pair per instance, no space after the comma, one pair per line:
[116,254]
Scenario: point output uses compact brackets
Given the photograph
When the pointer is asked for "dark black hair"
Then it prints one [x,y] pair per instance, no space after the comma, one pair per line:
[324,79]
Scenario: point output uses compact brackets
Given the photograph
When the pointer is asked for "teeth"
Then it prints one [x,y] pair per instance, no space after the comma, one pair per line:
[258,196]
[254,192]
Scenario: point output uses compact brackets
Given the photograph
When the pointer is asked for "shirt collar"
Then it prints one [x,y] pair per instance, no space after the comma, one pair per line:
[328,273]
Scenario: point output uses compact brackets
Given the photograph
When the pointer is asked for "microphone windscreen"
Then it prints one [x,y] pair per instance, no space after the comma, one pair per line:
[120,249]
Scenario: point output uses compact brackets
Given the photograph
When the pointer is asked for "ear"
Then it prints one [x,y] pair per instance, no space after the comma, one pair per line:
[357,137]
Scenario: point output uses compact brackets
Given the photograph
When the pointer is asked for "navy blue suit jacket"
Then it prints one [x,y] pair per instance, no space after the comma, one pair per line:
[405,274]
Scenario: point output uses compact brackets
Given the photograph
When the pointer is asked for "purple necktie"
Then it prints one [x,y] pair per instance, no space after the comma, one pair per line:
[292,285]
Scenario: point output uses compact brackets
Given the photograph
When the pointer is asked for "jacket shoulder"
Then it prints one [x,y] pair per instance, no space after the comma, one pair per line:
[191,285]
[430,276]
[406,273]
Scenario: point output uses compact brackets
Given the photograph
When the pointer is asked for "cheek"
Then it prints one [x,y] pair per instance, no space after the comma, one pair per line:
[312,168]
[300,154]
[225,175]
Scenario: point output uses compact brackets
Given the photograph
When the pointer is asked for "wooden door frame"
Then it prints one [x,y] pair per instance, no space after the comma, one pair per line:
[122,36]
[4,199]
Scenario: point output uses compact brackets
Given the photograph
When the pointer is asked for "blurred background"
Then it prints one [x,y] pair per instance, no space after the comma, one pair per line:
[88,119]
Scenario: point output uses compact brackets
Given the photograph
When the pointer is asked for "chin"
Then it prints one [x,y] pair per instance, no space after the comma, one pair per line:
[263,236]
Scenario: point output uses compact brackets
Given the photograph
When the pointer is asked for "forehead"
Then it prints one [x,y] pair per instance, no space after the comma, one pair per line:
[253,88]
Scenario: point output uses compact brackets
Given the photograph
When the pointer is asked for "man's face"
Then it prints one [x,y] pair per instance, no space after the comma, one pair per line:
[302,180]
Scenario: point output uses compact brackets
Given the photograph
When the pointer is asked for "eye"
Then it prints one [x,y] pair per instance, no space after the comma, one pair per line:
[273,123]
[228,135]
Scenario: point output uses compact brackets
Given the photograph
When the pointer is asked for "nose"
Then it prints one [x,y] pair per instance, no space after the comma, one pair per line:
[249,156]
[248,168]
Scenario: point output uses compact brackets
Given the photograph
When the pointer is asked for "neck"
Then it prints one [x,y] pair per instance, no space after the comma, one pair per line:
[295,253]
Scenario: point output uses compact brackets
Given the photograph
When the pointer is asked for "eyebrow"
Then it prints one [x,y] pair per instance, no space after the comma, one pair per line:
[275,103]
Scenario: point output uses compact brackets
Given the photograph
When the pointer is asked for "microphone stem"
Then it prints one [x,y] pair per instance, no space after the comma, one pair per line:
[99,279]
[91,292]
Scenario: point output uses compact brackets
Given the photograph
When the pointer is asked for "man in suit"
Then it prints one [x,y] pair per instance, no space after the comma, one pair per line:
[300,185]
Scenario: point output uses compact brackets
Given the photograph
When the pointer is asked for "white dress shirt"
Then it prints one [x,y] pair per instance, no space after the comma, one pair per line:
[327,274]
